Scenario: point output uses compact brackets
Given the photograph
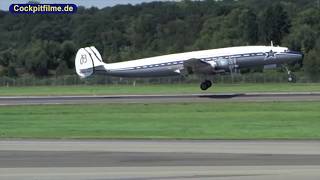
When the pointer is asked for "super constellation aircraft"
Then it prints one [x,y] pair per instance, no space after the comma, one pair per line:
[203,63]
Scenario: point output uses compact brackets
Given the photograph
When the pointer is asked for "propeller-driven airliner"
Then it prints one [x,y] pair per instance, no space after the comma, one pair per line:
[204,63]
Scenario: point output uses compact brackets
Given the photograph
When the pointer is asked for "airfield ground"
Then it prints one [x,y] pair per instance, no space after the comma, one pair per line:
[156,89]
[262,136]
[215,120]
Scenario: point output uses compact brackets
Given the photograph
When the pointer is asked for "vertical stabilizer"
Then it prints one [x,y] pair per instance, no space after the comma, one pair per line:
[87,61]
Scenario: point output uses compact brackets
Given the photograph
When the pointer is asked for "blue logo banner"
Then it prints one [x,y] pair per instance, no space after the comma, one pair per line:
[43,8]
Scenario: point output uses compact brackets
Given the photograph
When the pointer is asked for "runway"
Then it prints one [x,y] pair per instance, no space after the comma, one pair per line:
[242,97]
[159,159]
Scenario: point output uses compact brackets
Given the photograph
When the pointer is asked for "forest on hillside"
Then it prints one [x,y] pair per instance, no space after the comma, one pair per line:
[45,45]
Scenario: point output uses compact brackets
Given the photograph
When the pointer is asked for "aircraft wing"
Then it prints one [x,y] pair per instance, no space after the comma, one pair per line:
[197,66]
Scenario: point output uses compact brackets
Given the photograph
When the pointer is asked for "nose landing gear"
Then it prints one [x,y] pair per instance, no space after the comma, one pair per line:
[205,85]
[291,77]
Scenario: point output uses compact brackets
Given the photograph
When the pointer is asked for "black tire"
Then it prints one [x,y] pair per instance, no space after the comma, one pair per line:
[209,83]
[204,86]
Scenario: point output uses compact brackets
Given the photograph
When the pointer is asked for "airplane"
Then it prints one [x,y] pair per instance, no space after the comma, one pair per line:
[202,63]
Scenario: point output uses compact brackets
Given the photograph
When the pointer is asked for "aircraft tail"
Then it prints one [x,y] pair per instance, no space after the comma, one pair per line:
[88,61]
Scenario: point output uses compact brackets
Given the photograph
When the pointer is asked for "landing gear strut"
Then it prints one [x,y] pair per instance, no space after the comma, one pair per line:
[291,77]
[205,85]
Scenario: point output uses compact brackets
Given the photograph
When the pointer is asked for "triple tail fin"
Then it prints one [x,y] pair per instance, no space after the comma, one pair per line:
[87,61]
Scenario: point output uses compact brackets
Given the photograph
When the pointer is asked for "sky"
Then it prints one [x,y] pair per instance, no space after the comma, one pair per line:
[4,4]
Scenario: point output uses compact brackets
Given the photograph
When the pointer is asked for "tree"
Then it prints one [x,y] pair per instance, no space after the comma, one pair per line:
[53,50]
[12,71]
[302,38]
[275,24]
[236,28]
[36,61]
[40,64]
[305,31]
[43,45]
[248,26]
[51,31]
[7,57]
[68,51]
[312,64]
[62,69]
[209,33]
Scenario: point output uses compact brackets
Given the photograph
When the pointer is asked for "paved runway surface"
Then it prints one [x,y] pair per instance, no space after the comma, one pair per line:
[27,100]
[159,159]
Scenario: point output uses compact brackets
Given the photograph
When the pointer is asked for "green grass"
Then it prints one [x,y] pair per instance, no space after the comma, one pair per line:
[220,120]
[155,89]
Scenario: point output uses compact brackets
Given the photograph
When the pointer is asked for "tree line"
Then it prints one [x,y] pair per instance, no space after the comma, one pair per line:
[45,45]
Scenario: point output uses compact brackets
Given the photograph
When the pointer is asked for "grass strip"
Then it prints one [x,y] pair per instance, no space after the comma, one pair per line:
[219,120]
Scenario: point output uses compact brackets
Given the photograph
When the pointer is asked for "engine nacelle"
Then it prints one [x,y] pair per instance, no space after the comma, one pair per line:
[213,64]
[223,64]
[220,66]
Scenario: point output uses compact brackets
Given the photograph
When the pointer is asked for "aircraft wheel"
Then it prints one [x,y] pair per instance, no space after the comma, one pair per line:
[209,83]
[205,85]
[292,78]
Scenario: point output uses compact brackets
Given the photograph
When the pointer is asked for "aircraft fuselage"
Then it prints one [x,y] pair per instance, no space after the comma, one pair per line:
[221,60]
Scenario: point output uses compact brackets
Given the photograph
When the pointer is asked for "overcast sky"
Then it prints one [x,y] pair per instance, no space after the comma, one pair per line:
[4,4]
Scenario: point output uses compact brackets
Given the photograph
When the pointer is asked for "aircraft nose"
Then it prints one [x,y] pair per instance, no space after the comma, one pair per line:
[300,55]
[301,60]
[296,56]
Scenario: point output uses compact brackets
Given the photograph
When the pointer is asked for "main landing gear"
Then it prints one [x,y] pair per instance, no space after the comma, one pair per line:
[291,77]
[205,85]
